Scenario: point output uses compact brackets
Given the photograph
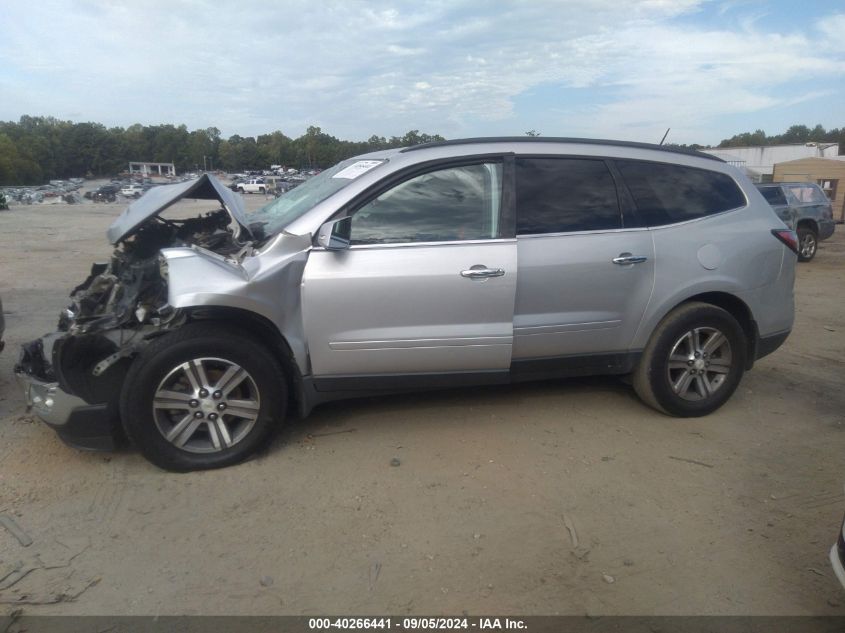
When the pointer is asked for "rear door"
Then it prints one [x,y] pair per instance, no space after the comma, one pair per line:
[426,287]
[585,278]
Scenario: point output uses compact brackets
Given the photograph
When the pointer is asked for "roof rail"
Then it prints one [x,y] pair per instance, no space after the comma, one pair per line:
[552,139]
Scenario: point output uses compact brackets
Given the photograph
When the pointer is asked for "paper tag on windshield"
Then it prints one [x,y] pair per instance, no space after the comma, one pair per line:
[357,168]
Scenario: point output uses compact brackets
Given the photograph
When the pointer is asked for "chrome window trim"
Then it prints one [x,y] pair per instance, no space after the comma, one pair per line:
[590,232]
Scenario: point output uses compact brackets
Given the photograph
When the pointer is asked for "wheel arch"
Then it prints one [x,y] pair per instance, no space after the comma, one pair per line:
[261,328]
[808,223]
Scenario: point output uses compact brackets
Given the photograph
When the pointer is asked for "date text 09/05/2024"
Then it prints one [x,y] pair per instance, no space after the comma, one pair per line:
[430,624]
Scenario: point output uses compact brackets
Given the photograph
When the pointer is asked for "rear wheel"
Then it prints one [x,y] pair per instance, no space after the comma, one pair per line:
[693,362]
[202,397]
[808,244]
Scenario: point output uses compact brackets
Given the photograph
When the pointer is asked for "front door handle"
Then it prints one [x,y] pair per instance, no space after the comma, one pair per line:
[626,259]
[482,272]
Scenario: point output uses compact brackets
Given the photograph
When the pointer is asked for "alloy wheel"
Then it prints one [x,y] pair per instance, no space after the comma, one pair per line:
[206,405]
[699,363]
[808,245]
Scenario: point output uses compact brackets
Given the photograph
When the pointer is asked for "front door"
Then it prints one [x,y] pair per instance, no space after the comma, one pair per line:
[426,287]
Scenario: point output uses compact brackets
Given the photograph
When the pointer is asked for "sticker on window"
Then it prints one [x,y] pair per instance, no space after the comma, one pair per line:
[357,168]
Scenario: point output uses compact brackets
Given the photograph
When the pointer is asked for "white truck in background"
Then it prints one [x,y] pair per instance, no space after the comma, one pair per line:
[254,185]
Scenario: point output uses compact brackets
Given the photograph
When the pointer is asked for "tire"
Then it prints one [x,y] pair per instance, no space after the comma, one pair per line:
[262,191]
[808,243]
[240,376]
[689,335]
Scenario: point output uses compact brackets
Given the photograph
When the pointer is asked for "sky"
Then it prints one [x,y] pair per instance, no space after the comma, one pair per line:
[621,69]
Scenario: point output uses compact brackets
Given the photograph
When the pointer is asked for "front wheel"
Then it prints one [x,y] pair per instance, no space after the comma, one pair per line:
[693,362]
[808,244]
[202,397]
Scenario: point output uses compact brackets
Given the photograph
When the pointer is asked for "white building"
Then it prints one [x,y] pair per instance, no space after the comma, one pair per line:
[758,162]
[152,169]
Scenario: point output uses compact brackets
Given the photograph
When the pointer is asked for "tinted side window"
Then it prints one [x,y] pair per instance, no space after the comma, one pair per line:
[458,203]
[665,194]
[773,195]
[558,195]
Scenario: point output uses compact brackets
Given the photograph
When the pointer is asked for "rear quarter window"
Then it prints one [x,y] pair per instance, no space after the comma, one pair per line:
[773,195]
[666,194]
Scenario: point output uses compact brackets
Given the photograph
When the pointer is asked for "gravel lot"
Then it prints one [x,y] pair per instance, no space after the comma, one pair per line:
[553,498]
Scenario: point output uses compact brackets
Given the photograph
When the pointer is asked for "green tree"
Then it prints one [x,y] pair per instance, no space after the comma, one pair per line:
[35,149]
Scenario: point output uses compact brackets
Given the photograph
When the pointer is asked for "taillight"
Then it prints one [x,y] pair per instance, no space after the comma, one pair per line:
[788,237]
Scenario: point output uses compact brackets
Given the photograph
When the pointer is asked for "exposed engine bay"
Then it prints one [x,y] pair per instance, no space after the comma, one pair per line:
[131,289]
[122,305]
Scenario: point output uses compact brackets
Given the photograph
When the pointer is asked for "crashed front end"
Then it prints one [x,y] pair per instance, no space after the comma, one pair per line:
[72,378]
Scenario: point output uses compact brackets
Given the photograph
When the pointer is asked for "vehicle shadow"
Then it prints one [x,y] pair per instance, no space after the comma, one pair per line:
[371,413]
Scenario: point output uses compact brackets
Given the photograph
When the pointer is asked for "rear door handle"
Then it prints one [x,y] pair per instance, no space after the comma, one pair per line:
[482,272]
[626,259]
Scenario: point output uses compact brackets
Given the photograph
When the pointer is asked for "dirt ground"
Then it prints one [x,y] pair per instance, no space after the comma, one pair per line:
[553,498]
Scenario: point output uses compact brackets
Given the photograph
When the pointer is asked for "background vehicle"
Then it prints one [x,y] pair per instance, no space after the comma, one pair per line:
[805,208]
[2,326]
[132,191]
[104,193]
[254,185]
[484,261]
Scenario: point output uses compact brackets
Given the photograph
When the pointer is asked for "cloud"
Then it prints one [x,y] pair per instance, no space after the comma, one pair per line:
[454,67]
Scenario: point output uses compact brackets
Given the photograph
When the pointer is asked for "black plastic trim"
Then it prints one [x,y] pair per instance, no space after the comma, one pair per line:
[507,214]
[379,383]
[92,428]
[571,366]
[523,370]
[768,344]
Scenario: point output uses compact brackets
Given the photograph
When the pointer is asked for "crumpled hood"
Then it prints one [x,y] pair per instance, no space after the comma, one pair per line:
[158,198]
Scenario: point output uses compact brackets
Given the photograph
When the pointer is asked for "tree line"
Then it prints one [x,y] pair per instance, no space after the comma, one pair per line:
[795,134]
[34,150]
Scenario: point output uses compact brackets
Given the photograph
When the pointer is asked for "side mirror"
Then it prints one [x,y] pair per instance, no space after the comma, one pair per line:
[335,235]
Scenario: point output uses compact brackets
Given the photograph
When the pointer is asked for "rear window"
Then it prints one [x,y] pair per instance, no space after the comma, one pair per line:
[666,194]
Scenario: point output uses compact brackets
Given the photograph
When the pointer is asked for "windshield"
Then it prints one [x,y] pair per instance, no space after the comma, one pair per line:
[296,202]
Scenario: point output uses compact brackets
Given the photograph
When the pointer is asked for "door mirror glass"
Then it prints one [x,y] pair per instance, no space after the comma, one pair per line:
[334,235]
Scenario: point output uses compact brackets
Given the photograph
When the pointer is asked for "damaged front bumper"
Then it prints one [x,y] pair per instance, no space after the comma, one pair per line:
[77,423]
[83,419]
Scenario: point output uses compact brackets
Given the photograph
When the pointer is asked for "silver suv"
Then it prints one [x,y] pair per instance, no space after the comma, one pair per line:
[481,261]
